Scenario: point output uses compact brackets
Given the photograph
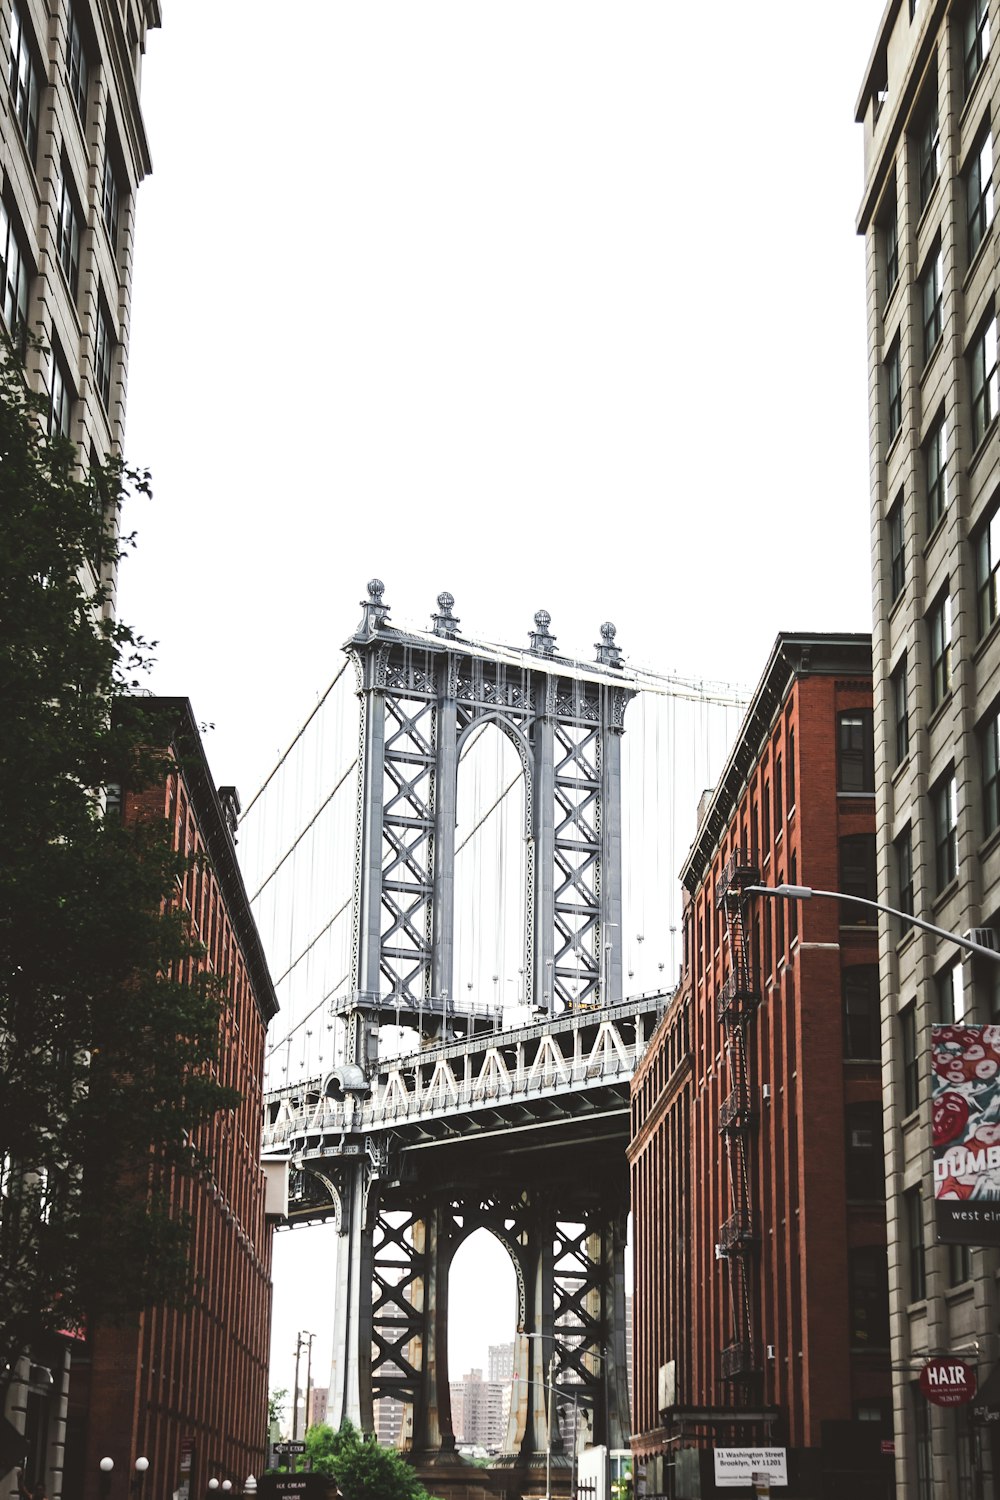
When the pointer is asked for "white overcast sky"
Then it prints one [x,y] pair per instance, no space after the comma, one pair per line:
[552,305]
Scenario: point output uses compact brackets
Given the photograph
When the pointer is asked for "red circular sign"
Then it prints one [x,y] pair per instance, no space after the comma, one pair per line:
[948,1382]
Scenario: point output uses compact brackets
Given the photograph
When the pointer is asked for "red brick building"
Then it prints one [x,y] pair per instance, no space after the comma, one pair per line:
[187,1390]
[761,1309]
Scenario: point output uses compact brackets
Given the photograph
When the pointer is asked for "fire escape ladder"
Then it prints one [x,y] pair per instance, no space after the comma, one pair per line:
[736,1004]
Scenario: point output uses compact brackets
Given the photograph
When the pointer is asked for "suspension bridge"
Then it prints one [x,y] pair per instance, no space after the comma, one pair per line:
[466,890]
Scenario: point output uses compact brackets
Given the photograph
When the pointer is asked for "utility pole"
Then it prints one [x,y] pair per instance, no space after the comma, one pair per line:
[295,1397]
[309,1380]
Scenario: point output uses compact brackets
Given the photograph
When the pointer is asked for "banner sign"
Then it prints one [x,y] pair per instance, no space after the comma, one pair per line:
[965,1104]
[741,1467]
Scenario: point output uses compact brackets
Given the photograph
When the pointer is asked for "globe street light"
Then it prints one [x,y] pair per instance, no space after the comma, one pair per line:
[141,1465]
[106,1465]
[806,892]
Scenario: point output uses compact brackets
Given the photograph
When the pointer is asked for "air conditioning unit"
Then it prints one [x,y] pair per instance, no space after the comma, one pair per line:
[985,937]
[766,1092]
[720,1253]
[770,1351]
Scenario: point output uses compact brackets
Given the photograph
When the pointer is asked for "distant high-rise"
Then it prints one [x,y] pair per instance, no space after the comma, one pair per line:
[500,1364]
[74,152]
[928,103]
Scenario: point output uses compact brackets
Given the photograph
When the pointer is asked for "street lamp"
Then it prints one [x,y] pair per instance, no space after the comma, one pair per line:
[106,1465]
[141,1465]
[806,892]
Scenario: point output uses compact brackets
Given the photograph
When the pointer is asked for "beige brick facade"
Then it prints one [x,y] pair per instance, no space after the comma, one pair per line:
[930,93]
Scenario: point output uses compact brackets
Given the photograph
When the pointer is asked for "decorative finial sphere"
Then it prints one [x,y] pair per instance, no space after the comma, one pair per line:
[446,601]
[543,619]
[607,632]
[106,1465]
[376,588]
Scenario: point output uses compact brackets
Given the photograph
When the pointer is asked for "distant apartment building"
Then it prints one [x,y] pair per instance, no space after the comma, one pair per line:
[477,1411]
[929,104]
[389,1419]
[500,1362]
[760,1301]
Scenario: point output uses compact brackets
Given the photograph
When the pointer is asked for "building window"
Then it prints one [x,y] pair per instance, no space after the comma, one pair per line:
[936,472]
[944,809]
[890,248]
[855,751]
[928,153]
[897,550]
[979,193]
[975,40]
[77,66]
[990,747]
[779,792]
[14,279]
[868,1276]
[60,396]
[765,821]
[987,545]
[951,994]
[865,1157]
[793,906]
[959,1264]
[983,375]
[111,196]
[894,389]
[901,711]
[911,1062]
[69,230]
[25,79]
[903,846]
[857,878]
[914,1230]
[931,297]
[939,632]
[104,348]
[861,1012]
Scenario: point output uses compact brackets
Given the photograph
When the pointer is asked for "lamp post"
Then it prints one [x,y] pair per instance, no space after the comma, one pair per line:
[806,893]
[141,1465]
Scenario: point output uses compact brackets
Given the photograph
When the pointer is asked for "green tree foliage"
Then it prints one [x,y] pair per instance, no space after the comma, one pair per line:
[363,1470]
[105,1059]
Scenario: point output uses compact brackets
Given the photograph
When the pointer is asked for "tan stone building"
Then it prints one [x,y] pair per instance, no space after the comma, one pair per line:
[73,152]
[927,104]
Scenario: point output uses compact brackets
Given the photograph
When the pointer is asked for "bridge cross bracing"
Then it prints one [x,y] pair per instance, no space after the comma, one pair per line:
[414,1109]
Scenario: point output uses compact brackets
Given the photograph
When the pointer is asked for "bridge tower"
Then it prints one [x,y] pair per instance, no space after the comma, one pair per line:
[409,1173]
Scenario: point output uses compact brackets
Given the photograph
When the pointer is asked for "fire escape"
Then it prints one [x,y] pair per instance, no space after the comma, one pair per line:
[735,1006]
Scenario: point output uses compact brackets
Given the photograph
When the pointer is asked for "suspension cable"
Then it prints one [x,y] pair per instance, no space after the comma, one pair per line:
[268,779]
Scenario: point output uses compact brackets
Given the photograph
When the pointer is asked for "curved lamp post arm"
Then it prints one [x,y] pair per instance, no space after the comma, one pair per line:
[806,892]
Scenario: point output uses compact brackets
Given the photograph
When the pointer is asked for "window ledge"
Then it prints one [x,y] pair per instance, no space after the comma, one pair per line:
[932,355]
[894,442]
[960,1293]
[943,897]
[925,212]
[896,603]
[935,531]
[970,274]
[906,939]
[897,774]
[967,103]
[938,712]
[989,843]
[987,639]
[856,796]
[984,443]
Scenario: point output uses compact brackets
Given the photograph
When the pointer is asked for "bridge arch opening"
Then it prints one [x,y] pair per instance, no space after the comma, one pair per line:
[482,1325]
[491,876]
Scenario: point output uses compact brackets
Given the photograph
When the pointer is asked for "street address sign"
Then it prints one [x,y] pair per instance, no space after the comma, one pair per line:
[948,1382]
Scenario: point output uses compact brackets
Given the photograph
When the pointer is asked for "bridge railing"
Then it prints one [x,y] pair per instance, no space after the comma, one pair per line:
[397,1102]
